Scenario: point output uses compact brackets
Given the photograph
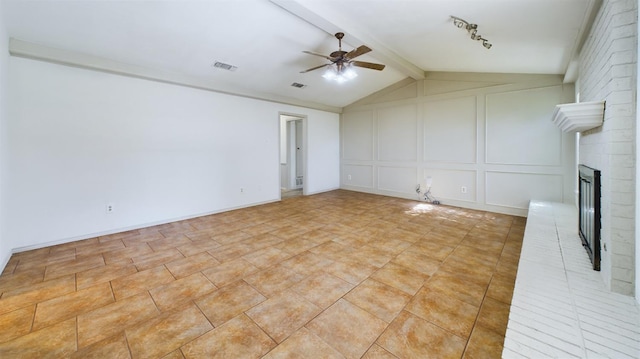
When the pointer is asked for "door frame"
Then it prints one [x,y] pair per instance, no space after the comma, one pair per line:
[293,117]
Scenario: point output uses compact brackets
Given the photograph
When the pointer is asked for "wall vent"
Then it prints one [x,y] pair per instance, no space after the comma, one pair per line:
[298,85]
[222,65]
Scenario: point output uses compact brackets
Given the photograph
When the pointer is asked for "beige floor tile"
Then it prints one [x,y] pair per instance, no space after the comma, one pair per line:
[15,280]
[198,246]
[418,262]
[353,272]
[446,312]
[381,300]
[295,246]
[372,256]
[141,281]
[478,273]
[283,314]
[397,276]
[282,263]
[494,315]
[228,252]
[407,235]
[16,323]
[231,237]
[307,263]
[62,269]
[229,272]
[175,240]
[228,302]
[104,274]
[44,259]
[501,288]
[161,335]
[322,289]
[432,249]
[409,336]
[289,232]
[140,238]
[151,260]
[27,295]
[457,286]
[114,347]
[237,338]
[187,266]
[125,254]
[181,291]
[378,352]
[56,341]
[274,279]
[301,345]
[176,354]
[71,304]
[90,248]
[337,325]
[266,257]
[484,343]
[109,320]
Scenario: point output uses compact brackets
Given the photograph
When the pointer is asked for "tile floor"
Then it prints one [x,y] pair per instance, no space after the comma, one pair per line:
[335,275]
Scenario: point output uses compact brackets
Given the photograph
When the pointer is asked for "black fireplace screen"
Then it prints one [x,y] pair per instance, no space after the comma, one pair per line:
[589,212]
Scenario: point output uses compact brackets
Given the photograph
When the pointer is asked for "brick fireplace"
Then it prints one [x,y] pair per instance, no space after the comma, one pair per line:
[608,63]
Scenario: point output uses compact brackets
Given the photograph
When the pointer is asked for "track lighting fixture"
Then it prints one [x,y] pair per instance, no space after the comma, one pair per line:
[472,29]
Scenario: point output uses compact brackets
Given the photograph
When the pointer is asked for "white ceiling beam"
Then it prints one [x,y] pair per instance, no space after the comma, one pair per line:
[329,21]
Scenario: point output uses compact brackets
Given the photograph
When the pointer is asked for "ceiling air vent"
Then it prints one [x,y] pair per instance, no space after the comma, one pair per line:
[222,65]
[298,85]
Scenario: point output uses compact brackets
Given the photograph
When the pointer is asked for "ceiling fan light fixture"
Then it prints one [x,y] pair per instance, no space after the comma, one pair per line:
[342,62]
[339,75]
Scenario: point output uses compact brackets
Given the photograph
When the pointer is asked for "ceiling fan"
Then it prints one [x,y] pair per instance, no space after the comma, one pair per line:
[341,61]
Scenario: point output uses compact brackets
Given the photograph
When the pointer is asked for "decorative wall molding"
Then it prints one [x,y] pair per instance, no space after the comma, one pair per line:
[577,117]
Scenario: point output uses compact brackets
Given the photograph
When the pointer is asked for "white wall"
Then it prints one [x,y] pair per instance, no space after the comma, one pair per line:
[608,71]
[322,152]
[489,133]
[5,249]
[80,139]
[637,164]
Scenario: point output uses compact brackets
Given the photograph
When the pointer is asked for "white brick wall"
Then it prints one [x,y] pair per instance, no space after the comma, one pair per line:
[608,64]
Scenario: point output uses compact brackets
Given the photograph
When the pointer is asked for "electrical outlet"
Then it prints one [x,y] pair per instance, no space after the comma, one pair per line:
[349,177]
[463,189]
[109,208]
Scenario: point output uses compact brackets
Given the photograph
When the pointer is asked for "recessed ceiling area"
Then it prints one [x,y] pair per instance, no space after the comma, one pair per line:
[178,41]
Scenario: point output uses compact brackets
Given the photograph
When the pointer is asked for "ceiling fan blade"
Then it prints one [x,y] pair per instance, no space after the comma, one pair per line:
[368,65]
[361,50]
[317,54]
[314,68]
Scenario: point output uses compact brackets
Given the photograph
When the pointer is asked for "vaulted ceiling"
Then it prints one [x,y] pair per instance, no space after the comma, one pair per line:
[178,41]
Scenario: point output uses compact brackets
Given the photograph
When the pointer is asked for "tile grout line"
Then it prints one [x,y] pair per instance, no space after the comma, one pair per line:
[576,317]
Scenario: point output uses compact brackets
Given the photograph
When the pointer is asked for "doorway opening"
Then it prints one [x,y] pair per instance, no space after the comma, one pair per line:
[292,163]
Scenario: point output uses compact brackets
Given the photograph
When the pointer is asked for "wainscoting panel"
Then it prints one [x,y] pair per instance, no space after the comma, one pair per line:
[397,133]
[397,179]
[358,128]
[515,190]
[528,113]
[450,124]
[357,175]
[447,184]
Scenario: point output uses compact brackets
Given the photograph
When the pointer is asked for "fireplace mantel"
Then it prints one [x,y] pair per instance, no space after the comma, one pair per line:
[577,117]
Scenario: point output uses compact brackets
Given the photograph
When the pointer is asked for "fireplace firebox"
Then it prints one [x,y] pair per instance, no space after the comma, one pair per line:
[589,212]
